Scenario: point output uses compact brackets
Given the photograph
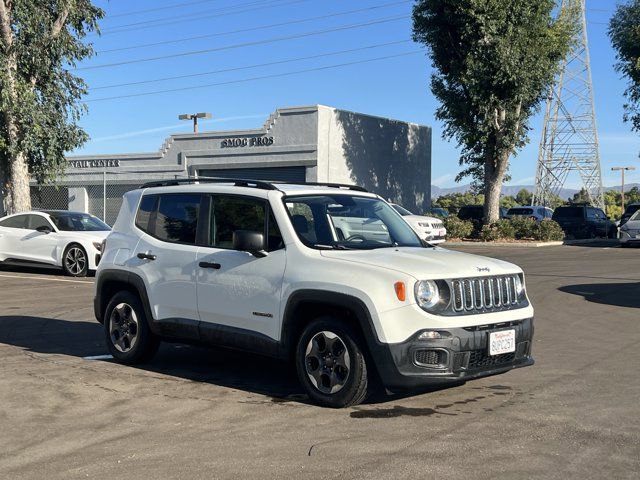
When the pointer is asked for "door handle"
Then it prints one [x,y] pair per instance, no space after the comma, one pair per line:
[215,266]
[146,256]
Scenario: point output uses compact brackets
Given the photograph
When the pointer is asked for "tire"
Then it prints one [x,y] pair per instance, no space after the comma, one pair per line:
[75,262]
[127,332]
[331,364]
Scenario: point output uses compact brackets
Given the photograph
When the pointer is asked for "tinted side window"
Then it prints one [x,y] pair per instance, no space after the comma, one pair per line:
[232,213]
[177,218]
[19,221]
[591,213]
[147,207]
[37,221]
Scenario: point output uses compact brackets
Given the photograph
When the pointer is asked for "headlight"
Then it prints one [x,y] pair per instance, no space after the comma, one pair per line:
[97,246]
[519,286]
[427,294]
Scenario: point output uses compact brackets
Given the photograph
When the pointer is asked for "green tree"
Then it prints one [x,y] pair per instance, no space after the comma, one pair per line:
[494,61]
[453,201]
[524,197]
[624,31]
[39,98]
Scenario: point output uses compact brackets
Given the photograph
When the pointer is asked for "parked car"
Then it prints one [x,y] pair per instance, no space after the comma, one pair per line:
[630,231]
[584,221]
[438,212]
[476,213]
[68,240]
[428,228]
[536,212]
[628,212]
[259,266]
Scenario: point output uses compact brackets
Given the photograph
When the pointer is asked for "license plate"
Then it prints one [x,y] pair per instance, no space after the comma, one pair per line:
[502,342]
[638,235]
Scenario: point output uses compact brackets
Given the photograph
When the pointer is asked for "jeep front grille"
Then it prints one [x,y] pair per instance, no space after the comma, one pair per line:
[475,295]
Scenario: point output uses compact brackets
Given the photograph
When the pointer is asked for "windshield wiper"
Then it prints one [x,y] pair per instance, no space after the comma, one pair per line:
[330,247]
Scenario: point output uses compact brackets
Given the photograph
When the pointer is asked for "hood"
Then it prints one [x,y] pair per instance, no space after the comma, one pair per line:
[631,225]
[420,219]
[426,263]
[93,236]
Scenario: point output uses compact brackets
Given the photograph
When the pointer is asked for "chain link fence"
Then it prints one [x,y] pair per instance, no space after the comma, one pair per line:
[99,194]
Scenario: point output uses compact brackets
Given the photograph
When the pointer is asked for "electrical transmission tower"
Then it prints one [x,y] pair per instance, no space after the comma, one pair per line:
[569,136]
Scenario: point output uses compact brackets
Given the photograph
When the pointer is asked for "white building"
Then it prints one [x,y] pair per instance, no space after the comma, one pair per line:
[313,144]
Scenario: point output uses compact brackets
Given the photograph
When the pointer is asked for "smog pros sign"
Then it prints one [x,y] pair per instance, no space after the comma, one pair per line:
[246,142]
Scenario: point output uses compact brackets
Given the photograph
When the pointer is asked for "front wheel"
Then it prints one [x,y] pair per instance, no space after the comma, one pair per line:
[331,364]
[129,338]
[75,262]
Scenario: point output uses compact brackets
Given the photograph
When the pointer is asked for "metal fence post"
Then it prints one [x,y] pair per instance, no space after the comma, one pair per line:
[104,195]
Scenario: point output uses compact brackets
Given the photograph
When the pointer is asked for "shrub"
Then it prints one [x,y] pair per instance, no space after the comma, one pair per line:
[490,233]
[524,227]
[457,228]
[548,231]
[506,229]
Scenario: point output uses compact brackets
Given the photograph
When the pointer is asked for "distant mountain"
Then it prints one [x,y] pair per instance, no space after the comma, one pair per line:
[512,190]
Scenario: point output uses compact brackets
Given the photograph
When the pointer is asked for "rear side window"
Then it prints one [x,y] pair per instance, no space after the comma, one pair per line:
[520,211]
[177,218]
[147,207]
[19,221]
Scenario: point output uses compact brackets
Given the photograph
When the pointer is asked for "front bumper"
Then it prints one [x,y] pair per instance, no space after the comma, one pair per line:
[462,356]
[627,237]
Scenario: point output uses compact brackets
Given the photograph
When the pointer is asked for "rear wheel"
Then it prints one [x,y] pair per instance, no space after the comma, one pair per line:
[127,333]
[331,364]
[75,262]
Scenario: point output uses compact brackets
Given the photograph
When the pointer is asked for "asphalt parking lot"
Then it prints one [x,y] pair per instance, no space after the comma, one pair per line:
[198,413]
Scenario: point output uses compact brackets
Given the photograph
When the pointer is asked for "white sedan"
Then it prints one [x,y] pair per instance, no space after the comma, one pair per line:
[630,231]
[428,228]
[68,240]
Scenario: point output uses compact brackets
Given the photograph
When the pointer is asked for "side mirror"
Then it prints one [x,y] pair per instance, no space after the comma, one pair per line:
[248,241]
[44,229]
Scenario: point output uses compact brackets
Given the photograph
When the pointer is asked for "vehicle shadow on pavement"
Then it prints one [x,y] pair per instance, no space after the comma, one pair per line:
[53,271]
[619,294]
[217,366]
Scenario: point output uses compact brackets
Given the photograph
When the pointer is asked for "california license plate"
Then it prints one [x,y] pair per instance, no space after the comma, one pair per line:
[501,342]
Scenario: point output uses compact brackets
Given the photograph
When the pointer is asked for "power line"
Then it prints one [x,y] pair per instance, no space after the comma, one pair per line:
[197,14]
[246,44]
[149,10]
[251,79]
[261,27]
[247,67]
[229,11]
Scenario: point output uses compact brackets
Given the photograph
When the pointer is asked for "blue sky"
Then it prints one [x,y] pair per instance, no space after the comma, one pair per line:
[395,86]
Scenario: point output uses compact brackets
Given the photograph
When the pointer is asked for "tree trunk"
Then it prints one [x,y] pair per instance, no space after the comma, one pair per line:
[494,170]
[19,193]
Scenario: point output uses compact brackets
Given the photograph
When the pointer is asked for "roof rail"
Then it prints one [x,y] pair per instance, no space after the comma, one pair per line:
[346,186]
[244,182]
[238,182]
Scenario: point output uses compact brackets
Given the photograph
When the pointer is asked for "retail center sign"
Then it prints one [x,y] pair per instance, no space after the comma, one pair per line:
[94,163]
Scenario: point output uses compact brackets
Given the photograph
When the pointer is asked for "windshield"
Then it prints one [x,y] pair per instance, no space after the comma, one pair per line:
[568,212]
[520,211]
[401,210]
[635,216]
[348,222]
[78,222]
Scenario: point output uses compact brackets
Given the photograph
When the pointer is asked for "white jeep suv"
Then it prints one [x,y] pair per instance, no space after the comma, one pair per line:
[263,267]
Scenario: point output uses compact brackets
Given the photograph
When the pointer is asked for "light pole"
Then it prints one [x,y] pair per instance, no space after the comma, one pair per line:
[194,117]
[622,170]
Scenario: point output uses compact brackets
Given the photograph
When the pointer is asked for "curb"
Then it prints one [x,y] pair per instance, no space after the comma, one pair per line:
[503,244]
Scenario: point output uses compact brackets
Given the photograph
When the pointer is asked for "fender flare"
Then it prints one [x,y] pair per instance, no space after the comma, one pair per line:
[330,299]
[135,282]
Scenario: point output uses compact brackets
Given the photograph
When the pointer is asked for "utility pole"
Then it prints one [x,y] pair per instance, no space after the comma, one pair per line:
[569,141]
[622,170]
[194,117]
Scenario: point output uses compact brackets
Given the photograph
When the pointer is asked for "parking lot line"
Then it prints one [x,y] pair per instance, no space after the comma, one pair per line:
[45,278]
[98,357]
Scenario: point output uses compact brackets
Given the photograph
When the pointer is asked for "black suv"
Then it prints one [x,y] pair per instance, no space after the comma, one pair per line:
[584,221]
[628,212]
[476,212]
